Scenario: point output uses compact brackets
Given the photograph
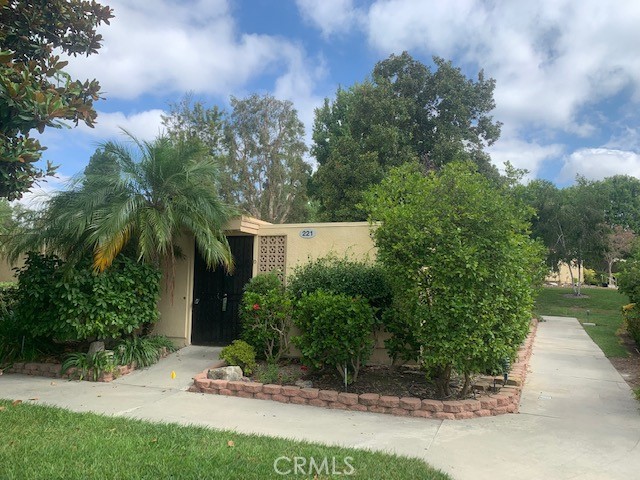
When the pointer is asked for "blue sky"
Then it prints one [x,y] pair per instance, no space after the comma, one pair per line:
[567,71]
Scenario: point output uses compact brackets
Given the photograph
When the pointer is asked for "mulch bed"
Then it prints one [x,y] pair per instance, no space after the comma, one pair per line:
[402,381]
[628,367]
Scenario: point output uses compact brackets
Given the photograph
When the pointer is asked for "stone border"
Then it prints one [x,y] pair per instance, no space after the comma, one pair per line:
[52,370]
[507,400]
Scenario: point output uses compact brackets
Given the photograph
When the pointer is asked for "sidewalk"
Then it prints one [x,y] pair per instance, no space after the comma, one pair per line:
[578,418]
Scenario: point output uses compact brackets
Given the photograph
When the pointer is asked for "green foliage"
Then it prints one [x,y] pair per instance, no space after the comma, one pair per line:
[78,304]
[265,169]
[107,446]
[591,277]
[260,144]
[463,267]
[265,314]
[143,198]
[141,351]
[629,278]
[601,306]
[631,314]
[335,331]
[7,297]
[405,113]
[240,353]
[264,283]
[344,276]
[35,90]
[85,364]
[271,373]
[622,205]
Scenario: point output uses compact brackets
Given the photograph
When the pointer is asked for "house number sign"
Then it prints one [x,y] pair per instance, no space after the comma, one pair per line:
[308,233]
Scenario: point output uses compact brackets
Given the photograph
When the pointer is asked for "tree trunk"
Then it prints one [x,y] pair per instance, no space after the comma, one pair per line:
[467,385]
[95,347]
[573,282]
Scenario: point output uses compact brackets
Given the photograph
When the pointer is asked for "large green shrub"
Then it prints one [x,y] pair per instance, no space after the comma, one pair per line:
[79,304]
[463,267]
[335,331]
[628,278]
[265,313]
[344,276]
[631,314]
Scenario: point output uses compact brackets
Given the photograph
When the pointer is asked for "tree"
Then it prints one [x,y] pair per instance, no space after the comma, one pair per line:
[464,268]
[570,222]
[403,113]
[267,173]
[35,91]
[190,119]
[260,146]
[144,199]
[621,201]
[620,243]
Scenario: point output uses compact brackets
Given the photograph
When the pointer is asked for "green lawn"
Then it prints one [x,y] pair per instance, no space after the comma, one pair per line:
[602,307]
[38,442]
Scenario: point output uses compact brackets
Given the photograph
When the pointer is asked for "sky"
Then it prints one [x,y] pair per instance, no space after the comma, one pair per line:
[567,71]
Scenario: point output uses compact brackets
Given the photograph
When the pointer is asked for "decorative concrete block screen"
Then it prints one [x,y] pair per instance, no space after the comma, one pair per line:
[273,254]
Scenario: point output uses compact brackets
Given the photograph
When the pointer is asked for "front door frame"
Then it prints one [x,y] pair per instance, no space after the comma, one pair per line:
[217,294]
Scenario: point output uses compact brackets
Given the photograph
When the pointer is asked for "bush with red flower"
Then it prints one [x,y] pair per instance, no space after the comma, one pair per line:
[265,315]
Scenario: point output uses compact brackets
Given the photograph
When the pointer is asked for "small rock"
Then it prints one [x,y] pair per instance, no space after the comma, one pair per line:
[233,373]
[304,383]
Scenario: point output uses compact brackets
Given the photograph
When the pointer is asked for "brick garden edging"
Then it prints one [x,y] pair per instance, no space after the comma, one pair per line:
[507,400]
[52,370]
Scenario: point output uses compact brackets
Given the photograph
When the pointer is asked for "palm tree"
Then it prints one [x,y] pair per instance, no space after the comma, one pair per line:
[143,198]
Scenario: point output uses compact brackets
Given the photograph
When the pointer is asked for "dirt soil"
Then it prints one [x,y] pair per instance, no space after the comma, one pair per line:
[400,381]
[629,367]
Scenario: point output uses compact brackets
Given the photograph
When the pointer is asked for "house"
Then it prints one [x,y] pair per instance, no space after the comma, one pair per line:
[202,305]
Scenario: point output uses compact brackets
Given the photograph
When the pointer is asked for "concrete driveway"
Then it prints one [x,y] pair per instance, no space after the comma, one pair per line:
[578,418]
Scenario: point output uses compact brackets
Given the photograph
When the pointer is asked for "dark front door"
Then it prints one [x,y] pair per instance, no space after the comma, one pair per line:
[217,295]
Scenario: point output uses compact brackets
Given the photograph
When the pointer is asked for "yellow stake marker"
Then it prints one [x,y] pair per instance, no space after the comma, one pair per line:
[173,375]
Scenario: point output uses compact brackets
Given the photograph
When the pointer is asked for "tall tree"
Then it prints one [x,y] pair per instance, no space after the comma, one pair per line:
[622,201]
[144,198]
[404,112]
[570,222]
[266,172]
[260,146]
[620,243]
[463,268]
[190,119]
[35,90]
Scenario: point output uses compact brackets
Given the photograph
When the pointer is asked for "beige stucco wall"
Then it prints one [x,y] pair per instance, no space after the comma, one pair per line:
[7,274]
[563,276]
[350,238]
[340,238]
[175,310]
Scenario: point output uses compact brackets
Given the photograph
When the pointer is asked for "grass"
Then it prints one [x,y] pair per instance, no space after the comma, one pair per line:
[602,307]
[39,442]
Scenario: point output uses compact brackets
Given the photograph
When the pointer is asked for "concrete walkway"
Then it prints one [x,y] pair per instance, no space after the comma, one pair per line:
[578,418]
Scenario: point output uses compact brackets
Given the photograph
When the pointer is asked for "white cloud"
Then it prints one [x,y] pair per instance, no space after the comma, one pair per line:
[42,191]
[550,58]
[160,47]
[297,85]
[599,163]
[529,155]
[330,16]
[145,125]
